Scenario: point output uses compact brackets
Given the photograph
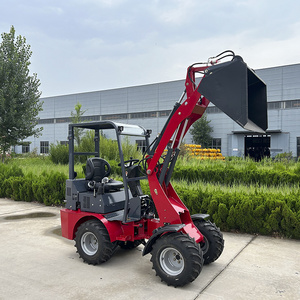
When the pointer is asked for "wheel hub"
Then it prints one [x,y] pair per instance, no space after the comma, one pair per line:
[171,261]
[89,243]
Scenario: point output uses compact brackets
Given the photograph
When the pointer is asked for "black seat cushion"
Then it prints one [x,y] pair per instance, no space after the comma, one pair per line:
[113,185]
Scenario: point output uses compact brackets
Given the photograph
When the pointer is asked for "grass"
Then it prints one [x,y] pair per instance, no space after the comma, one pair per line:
[37,165]
[246,207]
[241,163]
[244,165]
[239,188]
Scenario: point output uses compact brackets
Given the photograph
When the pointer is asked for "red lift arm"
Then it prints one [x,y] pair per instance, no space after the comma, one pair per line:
[232,87]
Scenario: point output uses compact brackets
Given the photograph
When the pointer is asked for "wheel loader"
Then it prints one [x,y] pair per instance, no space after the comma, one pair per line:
[102,214]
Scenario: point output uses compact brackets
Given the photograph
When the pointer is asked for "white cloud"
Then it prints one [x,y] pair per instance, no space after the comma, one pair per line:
[174,12]
[82,45]
[107,3]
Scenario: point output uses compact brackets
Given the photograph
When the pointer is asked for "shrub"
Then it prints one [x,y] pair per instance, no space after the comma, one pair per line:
[284,157]
[6,172]
[115,168]
[229,174]
[260,212]
[49,188]
[259,208]
[59,154]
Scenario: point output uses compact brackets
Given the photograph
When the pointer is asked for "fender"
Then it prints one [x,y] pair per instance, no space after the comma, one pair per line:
[71,219]
[199,217]
[158,232]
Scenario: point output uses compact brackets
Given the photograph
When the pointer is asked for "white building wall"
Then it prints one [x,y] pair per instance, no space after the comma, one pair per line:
[283,84]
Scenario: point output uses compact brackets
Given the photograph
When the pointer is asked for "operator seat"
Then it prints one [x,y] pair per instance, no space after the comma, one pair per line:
[97,170]
[134,171]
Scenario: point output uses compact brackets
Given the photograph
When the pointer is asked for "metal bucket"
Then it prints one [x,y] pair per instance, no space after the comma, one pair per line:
[238,92]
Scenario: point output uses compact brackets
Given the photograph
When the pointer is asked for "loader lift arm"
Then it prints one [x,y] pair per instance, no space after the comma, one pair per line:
[232,87]
[190,107]
[103,213]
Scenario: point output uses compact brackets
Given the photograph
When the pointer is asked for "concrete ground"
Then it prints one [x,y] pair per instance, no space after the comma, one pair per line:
[37,263]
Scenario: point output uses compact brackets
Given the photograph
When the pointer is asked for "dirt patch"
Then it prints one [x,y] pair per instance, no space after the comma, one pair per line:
[31,216]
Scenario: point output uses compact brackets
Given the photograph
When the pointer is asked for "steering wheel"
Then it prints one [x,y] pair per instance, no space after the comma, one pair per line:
[129,162]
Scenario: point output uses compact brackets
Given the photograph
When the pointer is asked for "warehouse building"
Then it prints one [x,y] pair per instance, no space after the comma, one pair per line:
[149,106]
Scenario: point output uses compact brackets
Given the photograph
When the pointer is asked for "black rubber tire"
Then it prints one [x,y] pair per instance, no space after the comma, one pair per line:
[177,259]
[130,245]
[93,243]
[213,244]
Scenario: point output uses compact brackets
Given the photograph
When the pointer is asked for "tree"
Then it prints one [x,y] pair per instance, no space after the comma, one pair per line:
[201,131]
[19,95]
[76,118]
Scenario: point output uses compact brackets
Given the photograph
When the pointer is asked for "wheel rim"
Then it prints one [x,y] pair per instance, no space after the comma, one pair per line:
[89,243]
[171,261]
[204,245]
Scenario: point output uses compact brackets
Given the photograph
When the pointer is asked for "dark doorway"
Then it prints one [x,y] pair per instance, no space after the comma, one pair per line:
[257,146]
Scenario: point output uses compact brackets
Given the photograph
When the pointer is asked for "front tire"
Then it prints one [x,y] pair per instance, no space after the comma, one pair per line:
[93,243]
[213,243]
[177,259]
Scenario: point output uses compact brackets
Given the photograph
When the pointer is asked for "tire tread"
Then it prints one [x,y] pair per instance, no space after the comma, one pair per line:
[107,248]
[194,262]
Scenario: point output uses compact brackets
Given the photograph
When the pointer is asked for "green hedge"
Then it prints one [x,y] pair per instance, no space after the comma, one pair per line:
[48,188]
[59,154]
[226,174]
[263,212]
[7,171]
[249,209]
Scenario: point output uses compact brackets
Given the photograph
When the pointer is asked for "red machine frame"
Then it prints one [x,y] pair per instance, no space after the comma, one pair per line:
[169,206]
[245,102]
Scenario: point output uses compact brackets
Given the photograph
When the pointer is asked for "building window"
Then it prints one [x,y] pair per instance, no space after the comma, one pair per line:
[142,115]
[44,147]
[46,121]
[298,146]
[63,120]
[164,113]
[275,105]
[141,145]
[115,117]
[89,118]
[216,143]
[137,115]
[64,143]
[295,103]
[271,105]
[26,147]
[213,110]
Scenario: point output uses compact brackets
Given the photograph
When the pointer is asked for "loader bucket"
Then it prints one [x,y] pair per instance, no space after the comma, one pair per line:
[238,92]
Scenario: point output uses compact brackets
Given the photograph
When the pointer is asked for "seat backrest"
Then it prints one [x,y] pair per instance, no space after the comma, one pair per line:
[135,186]
[96,169]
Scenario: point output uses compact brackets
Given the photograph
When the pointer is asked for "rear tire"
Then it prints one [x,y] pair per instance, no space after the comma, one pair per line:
[93,243]
[177,258]
[213,243]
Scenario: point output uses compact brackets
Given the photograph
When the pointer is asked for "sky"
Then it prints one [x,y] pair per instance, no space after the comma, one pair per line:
[91,45]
